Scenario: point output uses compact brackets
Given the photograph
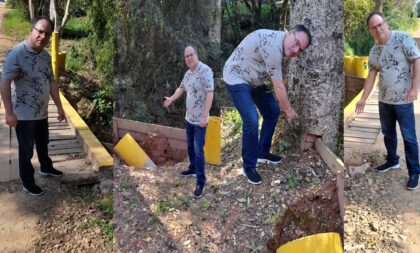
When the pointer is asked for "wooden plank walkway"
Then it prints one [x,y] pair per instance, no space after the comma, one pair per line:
[63,143]
[364,128]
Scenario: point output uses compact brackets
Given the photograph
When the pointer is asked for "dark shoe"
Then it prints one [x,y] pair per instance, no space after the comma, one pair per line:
[413,182]
[51,172]
[387,166]
[33,189]
[252,176]
[188,172]
[269,158]
[198,192]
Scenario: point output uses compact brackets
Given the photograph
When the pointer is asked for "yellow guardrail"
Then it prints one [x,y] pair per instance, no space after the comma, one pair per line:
[132,154]
[318,243]
[213,146]
[91,145]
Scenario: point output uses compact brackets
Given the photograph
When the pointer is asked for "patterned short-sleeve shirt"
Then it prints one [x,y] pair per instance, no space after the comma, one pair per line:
[196,85]
[257,58]
[393,61]
[31,73]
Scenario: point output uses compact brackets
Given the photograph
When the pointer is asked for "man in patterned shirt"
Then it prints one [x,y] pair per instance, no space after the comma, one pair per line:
[198,83]
[28,81]
[257,59]
[396,58]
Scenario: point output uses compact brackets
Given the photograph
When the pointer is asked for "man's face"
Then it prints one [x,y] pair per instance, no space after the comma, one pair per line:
[295,43]
[378,28]
[40,35]
[191,58]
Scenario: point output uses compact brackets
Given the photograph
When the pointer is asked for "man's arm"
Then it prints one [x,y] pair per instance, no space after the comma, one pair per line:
[168,100]
[5,87]
[412,93]
[207,106]
[56,98]
[367,89]
[281,95]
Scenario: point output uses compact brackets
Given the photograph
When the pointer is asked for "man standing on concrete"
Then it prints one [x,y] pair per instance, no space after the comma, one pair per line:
[257,59]
[28,81]
[198,83]
[396,57]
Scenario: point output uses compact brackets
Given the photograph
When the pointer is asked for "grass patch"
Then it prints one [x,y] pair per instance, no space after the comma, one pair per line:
[74,61]
[86,193]
[15,24]
[293,180]
[76,28]
[106,205]
[126,185]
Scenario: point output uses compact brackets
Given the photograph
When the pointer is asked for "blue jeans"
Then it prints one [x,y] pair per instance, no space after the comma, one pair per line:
[30,133]
[389,114]
[247,99]
[196,137]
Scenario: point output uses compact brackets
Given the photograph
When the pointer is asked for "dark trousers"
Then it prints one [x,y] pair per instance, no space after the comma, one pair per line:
[404,115]
[196,137]
[30,132]
[246,100]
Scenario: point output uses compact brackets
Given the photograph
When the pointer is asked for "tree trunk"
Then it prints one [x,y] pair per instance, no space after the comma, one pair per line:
[31,9]
[316,80]
[379,5]
[54,16]
[149,62]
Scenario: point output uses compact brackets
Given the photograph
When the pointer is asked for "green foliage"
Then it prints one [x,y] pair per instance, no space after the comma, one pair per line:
[283,145]
[234,118]
[162,206]
[74,60]
[16,25]
[224,214]
[254,248]
[126,184]
[348,50]
[76,27]
[273,217]
[204,205]
[102,99]
[106,205]
[107,228]
[399,14]
[141,112]
[293,180]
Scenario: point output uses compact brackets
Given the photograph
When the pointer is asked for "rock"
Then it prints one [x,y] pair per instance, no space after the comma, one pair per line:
[354,170]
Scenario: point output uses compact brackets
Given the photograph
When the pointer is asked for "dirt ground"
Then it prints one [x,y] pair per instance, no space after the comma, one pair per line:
[156,211]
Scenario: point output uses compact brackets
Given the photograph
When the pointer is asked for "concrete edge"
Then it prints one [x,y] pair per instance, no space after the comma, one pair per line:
[95,151]
[334,163]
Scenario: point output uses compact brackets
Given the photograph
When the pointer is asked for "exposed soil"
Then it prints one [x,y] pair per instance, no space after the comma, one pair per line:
[156,211]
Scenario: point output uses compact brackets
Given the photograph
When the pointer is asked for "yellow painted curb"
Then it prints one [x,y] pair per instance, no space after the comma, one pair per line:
[91,145]
[132,154]
[351,107]
[318,243]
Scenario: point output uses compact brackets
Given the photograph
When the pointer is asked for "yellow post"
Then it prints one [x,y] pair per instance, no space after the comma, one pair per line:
[361,66]
[348,65]
[132,154]
[61,60]
[318,243]
[54,52]
[212,148]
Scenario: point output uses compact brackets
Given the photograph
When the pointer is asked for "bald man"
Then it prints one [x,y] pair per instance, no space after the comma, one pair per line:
[198,83]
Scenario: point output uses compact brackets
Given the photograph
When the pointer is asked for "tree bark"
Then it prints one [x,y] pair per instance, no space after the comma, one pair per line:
[59,22]
[31,9]
[316,80]
[149,63]
[379,5]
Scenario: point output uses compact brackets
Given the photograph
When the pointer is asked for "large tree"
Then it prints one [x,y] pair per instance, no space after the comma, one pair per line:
[150,38]
[316,80]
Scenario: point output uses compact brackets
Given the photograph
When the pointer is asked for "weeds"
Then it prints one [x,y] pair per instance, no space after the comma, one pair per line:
[293,180]
[254,248]
[86,193]
[204,205]
[283,145]
[224,214]
[15,24]
[106,205]
[162,206]
[273,217]
[126,185]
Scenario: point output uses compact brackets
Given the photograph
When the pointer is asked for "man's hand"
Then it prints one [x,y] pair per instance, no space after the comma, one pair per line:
[61,116]
[11,119]
[168,101]
[203,120]
[412,94]
[360,105]
[290,115]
